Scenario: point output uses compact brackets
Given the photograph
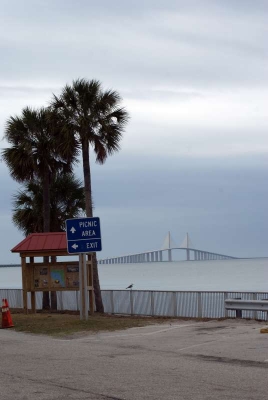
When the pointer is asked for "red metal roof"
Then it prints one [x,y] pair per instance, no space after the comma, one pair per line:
[38,242]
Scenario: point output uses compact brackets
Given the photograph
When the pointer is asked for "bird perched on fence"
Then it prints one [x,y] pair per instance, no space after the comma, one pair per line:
[130,286]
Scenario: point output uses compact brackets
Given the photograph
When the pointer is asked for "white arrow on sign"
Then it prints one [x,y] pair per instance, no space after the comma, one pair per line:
[74,246]
[73,229]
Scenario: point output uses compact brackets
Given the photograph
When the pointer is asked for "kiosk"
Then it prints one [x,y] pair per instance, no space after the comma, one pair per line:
[51,275]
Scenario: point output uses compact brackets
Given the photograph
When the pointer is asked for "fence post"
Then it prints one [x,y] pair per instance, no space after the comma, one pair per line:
[225,311]
[152,303]
[112,301]
[174,298]
[131,301]
[238,313]
[199,305]
[255,312]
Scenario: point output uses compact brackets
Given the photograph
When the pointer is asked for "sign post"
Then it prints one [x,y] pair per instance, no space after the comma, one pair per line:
[83,237]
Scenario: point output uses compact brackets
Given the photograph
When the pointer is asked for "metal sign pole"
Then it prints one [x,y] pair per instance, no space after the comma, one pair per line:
[81,285]
[85,287]
[84,237]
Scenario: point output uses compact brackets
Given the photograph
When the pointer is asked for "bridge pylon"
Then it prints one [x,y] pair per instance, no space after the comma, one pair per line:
[168,242]
[187,243]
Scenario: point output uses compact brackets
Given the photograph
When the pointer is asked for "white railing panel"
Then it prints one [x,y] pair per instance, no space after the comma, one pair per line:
[159,303]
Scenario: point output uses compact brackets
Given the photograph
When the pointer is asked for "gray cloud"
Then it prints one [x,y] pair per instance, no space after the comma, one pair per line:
[179,44]
[193,76]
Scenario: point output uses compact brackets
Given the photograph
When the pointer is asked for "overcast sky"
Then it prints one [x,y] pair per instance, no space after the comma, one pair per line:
[193,76]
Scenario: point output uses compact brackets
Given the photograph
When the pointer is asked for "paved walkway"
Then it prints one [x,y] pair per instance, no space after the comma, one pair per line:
[183,360]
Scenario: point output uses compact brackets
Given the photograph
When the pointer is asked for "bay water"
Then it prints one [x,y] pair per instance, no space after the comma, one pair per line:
[212,275]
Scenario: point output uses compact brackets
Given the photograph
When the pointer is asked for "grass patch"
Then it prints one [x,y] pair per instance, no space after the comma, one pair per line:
[61,325]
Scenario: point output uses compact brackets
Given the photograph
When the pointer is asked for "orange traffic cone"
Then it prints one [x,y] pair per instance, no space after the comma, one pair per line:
[6,316]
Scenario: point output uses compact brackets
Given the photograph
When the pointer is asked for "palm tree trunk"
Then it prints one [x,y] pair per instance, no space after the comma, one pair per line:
[46,201]
[89,212]
[46,226]
[53,295]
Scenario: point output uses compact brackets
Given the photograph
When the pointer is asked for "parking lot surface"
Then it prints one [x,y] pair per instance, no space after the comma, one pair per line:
[179,360]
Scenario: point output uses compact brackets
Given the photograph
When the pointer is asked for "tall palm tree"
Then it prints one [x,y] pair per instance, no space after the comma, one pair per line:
[95,119]
[66,201]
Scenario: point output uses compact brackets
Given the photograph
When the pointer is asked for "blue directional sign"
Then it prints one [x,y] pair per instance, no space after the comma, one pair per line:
[83,235]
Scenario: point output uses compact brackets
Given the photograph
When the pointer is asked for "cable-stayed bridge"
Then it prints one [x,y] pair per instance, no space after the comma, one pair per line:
[165,253]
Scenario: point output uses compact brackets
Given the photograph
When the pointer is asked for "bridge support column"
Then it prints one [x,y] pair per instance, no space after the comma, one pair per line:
[187,254]
[169,255]
[152,256]
[147,257]
[160,255]
[195,255]
[156,256]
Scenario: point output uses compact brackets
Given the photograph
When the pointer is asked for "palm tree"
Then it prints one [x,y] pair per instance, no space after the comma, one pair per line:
[35,152]
[95,119]
[66,201]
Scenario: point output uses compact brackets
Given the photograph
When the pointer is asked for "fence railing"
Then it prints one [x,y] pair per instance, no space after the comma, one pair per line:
[152,303]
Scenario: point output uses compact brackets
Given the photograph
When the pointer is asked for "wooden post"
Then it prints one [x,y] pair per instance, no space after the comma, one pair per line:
[33,304]
[24,284]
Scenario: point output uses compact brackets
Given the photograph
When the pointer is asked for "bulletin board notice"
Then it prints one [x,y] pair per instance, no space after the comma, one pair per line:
[61,276]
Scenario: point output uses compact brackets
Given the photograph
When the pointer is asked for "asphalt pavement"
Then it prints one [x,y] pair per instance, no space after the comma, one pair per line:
[178,360]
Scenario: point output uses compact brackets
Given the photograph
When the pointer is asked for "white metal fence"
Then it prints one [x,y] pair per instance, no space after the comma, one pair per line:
[152,303]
